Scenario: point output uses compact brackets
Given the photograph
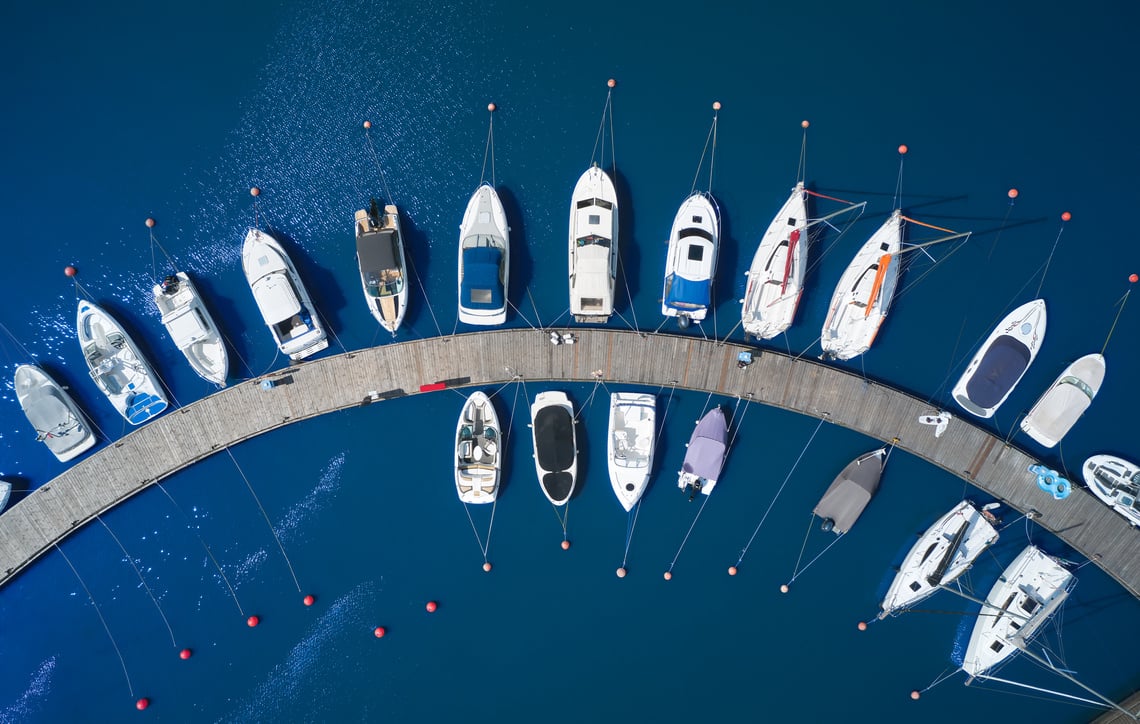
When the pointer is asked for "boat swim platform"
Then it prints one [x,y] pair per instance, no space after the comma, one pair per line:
[188,434]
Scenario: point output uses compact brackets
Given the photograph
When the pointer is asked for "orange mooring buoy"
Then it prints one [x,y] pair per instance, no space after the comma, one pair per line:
[804,124]
[862,626]
[1066,216]
[903,149]
[487,566]
[1012,193]
[308,600]
[431,606]
[252,621]
[491,107]
[150,223]
[565,545]
[70,271]
[379,632]
[367,125]
[1134,278]
[915,694]
[621,572]
[783,588]
[611,83]
[255,191]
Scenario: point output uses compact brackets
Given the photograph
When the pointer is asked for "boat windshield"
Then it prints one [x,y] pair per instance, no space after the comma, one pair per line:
[594,240]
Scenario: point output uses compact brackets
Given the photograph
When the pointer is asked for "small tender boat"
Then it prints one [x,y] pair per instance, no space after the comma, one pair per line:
[705,457]
[690,262]
[593,246]
[192,328]
[776,277]
[555,445]
[56,418]
[851,491]
[945,551]
[478,455]
[630,441]
[1026,595]
[117,366]
[484,259]
[281,297]
[383,266]
[1065,401]
[864,293]
[1002,360]
[1116,482]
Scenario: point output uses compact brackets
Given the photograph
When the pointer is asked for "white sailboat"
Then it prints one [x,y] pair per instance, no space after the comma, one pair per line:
[690,262]
[383,266]
[555,445]
[630,442]
[117,366]
[484,259]
[56,418]
[478,451]
[1002,360]
[192,328]
[863,296]
[281,297]
[1055,413]
[593,246]
[1116,482]
[776,276]
[943,553]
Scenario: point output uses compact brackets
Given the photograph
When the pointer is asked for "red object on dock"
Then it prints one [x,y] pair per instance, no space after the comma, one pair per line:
[433,387]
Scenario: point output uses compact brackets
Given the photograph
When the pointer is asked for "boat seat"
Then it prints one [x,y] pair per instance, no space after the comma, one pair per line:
[490,447]
[465,450]
[476,453]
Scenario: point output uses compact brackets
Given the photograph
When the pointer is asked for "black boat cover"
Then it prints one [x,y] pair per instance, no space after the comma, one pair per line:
[997,373]
[554,440]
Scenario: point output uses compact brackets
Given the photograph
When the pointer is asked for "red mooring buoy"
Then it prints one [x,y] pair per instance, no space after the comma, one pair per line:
[142,703]
[185,654]
[431,606]
[309,600]
[379,632]
[70,271]
[252,621]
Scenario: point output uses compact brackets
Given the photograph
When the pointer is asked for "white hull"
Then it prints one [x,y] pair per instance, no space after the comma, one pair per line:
[1116,482]
[56,418]
[385,289]
[630,443]
[5,493]
[1028,592]
[776,277]
[691,258]
[484,226]
[281,297]
[555,446]
[478,451]
[1065,401]
[192,328]
[944,552]
[864,293]
[593,246]
[1002,360]
[117,366]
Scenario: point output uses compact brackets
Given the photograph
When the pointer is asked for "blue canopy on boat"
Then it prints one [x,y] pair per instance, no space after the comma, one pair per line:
[1000,369]
[481,286]
[685,294]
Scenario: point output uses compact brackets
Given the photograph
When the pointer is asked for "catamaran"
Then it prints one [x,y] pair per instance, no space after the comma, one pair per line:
[1065,401]
[851,491]
[56,418]
[776,277]
[117,366]
[864,293]
[945,551]
[383,266]
[478,455]
[555,445]
[281,297]
[630,444]
[705,457]
[690,262]
[1002,360]
[1116,482]
[484,259]
[593,246]
[192,328]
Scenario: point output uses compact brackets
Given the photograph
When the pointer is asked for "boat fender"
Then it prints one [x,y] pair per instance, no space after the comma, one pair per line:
[683,321]
[827,525]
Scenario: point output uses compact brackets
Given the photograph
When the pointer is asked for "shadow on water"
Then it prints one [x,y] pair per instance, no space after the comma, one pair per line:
[521,263]
[322,286]
[629,253]
[226,318]
[418,253]
[724,290]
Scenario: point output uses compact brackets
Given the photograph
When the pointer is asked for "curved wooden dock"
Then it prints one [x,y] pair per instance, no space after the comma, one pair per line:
[186,435]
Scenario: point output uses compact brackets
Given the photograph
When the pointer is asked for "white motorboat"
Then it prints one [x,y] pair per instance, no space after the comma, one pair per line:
[844,500]
[690,262]
[776,277]
[1026,595]
[192,328]
[383,266]
[281,297]
[593,246]
[1002,360]
[704,460]
[945,551]
[56,418]
[555,445]
[117,366]
[1065,401]
[864,293]
[1116,482]
[484,259]
[630,442]
[478,452]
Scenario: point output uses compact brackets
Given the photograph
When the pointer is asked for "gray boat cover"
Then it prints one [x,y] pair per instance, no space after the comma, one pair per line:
[377,251]
[705,456]
[849,494]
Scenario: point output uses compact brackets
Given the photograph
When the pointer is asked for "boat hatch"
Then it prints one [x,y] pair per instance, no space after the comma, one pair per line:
[915,585]
[885,246]
[591,304]
[696,252]
[997,646]
[600,203]
[697,219]
[1029,605]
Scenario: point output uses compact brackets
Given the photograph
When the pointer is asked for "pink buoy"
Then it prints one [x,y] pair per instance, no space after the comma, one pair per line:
[255,191]
[1134,278]
[903,149]
[487,567]
[783,588]
[1066,216]
[1013,193]
[379,632]
[732,570]
[367,125]
[621,572]
[804,124]
[309,600]
[431,606]
[252,621]
[491,107]
[916,694]
[668,575]
[565,545]
[70,271]
[185,654]
[150,223]
[142,703]
[862,626]
[611,83]
[716,105]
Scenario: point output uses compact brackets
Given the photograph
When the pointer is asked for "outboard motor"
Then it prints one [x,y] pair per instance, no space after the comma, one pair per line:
[827,525]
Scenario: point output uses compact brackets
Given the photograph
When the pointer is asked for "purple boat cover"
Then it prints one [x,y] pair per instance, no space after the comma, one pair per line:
[705,456]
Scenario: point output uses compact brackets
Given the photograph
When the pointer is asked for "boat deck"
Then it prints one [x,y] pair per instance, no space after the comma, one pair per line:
[182,437]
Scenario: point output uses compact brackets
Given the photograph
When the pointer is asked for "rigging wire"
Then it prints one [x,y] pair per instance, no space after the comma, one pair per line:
[142,580]
[266,516]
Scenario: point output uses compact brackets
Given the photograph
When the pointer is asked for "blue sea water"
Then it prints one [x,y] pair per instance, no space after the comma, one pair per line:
[127,111]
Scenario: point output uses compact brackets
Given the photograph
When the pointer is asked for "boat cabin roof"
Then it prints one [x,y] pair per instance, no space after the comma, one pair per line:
[276,298]
[378,251]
